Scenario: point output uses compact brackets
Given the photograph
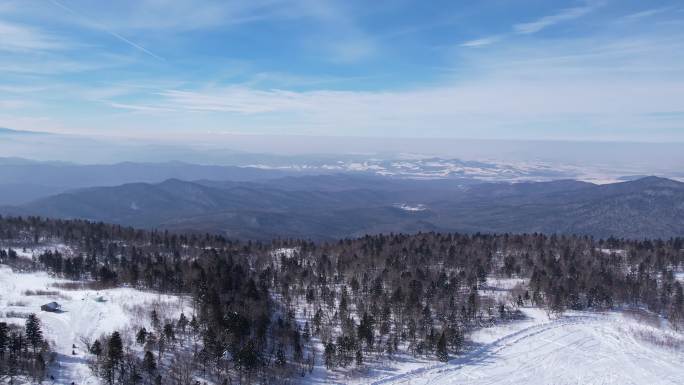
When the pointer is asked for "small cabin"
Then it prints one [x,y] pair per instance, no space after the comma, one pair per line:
[51,307]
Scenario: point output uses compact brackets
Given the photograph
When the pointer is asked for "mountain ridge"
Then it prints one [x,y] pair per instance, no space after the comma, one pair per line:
[649,207]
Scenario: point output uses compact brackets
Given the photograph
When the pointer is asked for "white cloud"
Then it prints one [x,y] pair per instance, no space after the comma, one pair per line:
[646,13]
[550,20]
[582,88]
[189,15]
[50,64]
[481,42]
[529,87]
[17,37]
[139,107]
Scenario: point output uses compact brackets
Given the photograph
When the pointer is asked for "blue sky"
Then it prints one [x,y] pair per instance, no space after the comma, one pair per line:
[205,70]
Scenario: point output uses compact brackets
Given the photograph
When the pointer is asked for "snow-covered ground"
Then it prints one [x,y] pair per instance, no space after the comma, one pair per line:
[410,207]
[577,348]
[426,167]
[83,315]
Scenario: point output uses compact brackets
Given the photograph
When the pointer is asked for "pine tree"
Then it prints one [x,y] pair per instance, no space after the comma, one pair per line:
[141,336]
[4,339]
[115,349]
[154,318]
[182,322]
[96,348]
[280,357]
[194,325]
[114,357]
[330,355]
[169,332]
[149,363]
[365,329]
[39,368]
[248,358]
[455,339]
[442,353]
[33,333]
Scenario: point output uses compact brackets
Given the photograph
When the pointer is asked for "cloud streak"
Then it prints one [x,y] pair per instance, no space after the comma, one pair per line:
[613,78]
[101,27]
[18,38]
[481,42]
[584,88]
[550,20]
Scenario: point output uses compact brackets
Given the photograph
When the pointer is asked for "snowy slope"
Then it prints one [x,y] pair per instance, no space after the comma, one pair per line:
[82,316]
[619,347]
[579,348]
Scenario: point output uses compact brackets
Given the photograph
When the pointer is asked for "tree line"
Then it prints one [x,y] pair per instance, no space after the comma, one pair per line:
[24,353]
[266,312]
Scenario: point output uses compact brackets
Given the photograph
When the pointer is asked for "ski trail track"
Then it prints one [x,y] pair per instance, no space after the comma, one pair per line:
[578,349]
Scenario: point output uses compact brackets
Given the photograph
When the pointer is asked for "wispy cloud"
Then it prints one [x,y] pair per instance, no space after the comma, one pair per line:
[585,86]
[646,13]
[94,24]
[481,42]
[188,15]
[140,107]
[534,26]
[550,20]
[51,64]
[17,37]
[615,76]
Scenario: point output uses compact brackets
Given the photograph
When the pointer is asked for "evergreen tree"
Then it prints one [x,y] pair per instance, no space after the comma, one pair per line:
[280,357]
[141,336]
[169,333]
[114,357]
[194,325]
[4,339]
[182,322]
[248,358]
[330,355]
[442,352]
[154,318]
[149,363]
[115,349]
[96,348]
[33,332]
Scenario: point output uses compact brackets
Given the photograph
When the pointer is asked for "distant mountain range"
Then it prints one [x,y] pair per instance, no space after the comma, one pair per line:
[23,180]
[344,205]
[9,131]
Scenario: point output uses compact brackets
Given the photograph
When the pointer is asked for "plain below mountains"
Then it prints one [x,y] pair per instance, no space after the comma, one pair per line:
[337,206]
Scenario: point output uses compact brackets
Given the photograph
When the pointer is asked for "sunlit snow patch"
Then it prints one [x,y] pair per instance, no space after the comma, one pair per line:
[408,207]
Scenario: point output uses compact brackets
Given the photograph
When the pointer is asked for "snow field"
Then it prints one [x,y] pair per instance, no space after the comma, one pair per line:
[577,348]
[82,316]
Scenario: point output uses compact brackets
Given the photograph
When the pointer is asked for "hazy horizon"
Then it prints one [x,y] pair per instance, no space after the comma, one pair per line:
[652,157]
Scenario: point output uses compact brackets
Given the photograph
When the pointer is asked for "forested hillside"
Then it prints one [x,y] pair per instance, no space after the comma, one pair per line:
[340,206]
[263,312]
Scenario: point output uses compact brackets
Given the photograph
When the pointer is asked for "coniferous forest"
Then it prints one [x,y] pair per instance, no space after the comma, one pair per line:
[270,312]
